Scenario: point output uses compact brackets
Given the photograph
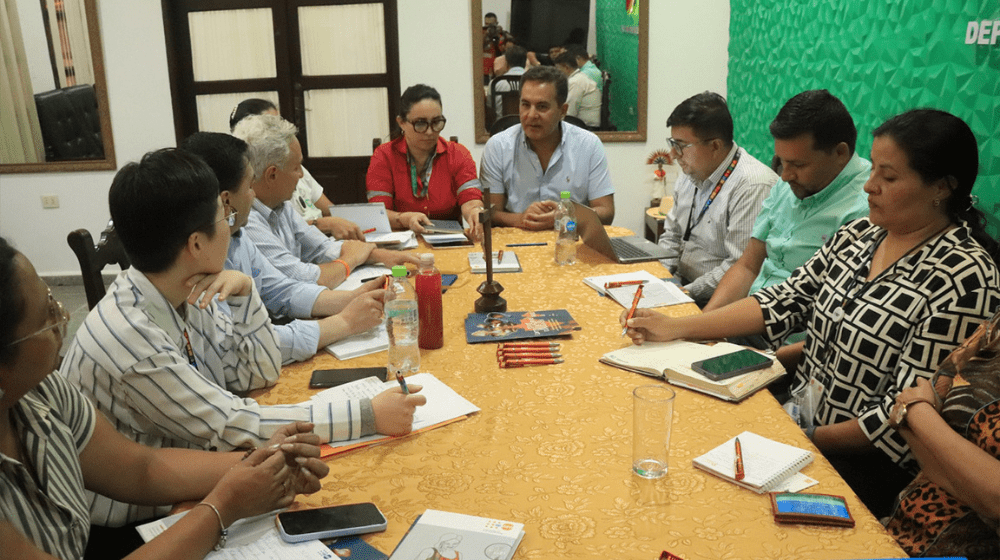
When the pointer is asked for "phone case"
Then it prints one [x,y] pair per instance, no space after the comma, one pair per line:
[331,532]
[697,366]
[326,378]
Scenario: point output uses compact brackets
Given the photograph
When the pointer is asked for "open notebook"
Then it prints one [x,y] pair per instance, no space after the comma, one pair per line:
[671,361]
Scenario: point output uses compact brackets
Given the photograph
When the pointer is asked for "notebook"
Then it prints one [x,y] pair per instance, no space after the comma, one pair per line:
[768,465]
[368,342]
[655,292]
[671,361]
[628,249]
[367,215]
[441,534]
[508,263]
[445,226]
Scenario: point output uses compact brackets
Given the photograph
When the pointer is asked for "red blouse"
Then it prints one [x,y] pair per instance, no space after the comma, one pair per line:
[453,180]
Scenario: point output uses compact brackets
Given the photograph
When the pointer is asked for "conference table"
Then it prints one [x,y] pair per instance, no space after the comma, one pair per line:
[551,447]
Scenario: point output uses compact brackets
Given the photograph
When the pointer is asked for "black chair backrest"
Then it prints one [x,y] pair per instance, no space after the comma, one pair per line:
[509,100]
[70,130]
[606,123]
[577,121]
[503,123]
[93,258]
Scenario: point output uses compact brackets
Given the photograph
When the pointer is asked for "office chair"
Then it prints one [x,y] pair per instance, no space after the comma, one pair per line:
[93,258]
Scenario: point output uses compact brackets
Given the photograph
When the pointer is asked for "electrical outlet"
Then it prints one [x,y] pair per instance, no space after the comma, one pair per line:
[50,201]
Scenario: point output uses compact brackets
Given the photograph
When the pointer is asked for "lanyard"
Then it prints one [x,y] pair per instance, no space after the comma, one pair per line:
[419,189]
[715,192]
[190,351]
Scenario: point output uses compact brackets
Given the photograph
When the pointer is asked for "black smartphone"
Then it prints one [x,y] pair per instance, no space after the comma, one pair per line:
[325,378]
[732,364]
[332,521]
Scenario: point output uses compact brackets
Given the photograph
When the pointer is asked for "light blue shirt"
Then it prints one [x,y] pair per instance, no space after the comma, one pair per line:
[284,297]
[294,247]
[579,165]
[793,230]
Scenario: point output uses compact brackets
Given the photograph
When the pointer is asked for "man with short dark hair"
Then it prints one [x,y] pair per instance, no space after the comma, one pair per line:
[160,358]
[821,188]
[716,199]
[513,64]
[296,249]
[583,100]
[586,65]
[527,166]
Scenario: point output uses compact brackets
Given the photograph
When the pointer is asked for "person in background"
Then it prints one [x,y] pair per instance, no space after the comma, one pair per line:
[161,359]
[586,65]
[952,507]
[53,444]
[297,250]
[583,100]
[338,313]
[309,200]
[527,166]
[717,197]
[513,64]
[882,302]
[421,177]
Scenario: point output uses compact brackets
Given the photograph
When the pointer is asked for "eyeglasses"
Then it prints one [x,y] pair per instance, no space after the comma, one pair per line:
[679,146]
[437,124]
[986,337]
[230,218]
[58,317]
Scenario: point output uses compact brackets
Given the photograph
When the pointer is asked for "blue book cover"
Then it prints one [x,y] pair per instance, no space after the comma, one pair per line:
[515,325]
[355,548]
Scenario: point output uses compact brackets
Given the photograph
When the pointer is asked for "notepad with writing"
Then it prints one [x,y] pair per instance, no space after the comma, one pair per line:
[768,465]
[655,292]
[671,361]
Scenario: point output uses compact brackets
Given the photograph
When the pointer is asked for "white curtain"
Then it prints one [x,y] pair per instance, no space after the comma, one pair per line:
[214,109]
[20,133]
[232,44]
[337,40]
[342,122]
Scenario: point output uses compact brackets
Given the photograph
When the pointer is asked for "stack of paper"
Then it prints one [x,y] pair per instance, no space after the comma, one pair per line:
[508,263]
[368,342]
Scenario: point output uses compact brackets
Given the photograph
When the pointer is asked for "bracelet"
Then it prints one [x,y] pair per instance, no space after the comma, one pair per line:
[347,269]
[224,532]
[248,453]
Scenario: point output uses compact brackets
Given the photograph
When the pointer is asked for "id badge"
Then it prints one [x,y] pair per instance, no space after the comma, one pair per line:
[804,402]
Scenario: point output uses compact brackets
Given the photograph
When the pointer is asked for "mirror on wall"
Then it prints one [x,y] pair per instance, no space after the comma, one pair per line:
[55,105]
[617,36]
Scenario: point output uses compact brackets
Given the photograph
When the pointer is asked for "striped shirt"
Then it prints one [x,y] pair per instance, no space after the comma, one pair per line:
[130,357]
[720,237]
[293,246]
[55,423]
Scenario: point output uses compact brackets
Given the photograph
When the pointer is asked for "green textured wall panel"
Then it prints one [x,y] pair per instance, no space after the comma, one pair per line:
[618,50]
[880,58]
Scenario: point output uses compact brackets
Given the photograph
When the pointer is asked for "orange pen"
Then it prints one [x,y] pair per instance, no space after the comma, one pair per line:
[369,230]
[499,256]
[739,461]
[529,345]
[609,285]
[631,311]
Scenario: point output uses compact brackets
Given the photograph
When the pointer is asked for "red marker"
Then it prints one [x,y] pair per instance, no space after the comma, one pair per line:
[739,461]
[631,312]
[609,285]
[369,230]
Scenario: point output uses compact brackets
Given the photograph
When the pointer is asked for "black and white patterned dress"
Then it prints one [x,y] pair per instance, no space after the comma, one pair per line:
[866,341]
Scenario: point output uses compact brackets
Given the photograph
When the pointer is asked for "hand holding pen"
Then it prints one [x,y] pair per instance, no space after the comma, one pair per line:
[394,409]
[631,311]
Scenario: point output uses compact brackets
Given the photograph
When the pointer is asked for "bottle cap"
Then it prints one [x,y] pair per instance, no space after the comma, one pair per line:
[426,259]
[564,194]
[399,271]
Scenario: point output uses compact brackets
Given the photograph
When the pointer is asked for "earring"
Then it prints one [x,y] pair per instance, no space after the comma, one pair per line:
[2,393]
[937,202]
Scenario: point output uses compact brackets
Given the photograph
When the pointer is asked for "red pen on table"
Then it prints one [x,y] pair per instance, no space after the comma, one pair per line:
[631,311]
[522,363]
[369,230]
[609,285]
[739,461]
[499,256]
[528,352]
[529,345]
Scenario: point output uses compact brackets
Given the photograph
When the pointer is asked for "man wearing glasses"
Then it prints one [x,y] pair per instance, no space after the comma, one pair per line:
[716,199]
[526,167]
[296,249]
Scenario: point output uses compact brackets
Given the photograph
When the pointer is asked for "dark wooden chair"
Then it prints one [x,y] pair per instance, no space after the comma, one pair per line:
[509,100]
[503,123]
[93,258]
[606,123]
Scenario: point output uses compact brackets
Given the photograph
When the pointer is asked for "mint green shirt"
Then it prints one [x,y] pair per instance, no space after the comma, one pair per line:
[793,230]
[594,73]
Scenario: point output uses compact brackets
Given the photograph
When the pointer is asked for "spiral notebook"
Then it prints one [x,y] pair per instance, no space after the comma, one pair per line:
[768,465]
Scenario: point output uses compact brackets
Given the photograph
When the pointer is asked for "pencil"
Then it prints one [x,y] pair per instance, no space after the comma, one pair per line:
[631,312]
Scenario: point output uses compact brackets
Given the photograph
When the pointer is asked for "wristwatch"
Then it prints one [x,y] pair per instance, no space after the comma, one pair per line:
[897,416]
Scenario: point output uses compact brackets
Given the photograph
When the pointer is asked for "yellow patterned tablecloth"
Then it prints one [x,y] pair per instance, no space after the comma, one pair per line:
[552,445]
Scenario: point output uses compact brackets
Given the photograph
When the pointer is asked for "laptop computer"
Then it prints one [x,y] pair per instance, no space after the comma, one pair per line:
[626,249]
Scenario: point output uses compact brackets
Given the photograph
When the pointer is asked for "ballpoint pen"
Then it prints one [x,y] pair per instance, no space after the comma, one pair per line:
[522,363]
[609,285]
[739,461]
[369,230]
[631,311]
[402,382]
[526,244]
[529,344]
[499,256]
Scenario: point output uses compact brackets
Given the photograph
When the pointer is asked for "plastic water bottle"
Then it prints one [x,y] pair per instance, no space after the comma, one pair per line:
[566,234]
[402,324]
[429,303]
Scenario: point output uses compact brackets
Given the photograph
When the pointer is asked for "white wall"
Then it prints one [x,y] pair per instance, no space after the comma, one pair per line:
[688,54]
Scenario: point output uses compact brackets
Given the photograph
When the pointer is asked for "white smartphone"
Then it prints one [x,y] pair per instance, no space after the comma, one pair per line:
[329,522]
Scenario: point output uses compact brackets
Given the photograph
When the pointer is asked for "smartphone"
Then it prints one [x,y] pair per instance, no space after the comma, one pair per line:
[732,364]
[447,280]
[328,522]
[326,378]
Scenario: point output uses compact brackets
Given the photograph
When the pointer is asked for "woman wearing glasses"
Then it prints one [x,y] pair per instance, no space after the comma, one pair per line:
[53,445]
[882,301]
[421,177]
